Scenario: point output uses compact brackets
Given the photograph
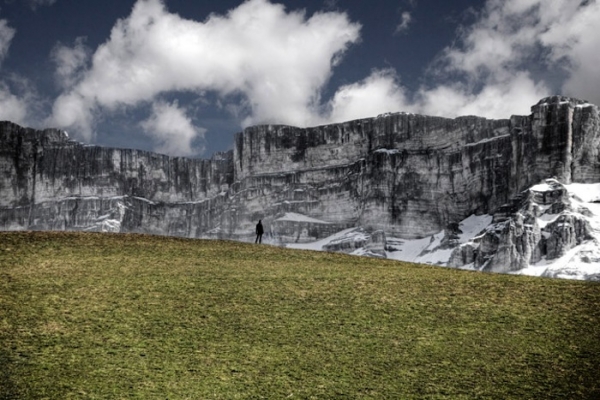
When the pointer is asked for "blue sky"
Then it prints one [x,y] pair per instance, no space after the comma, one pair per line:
[181,77]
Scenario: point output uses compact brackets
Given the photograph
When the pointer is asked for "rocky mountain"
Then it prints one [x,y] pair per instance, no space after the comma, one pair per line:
[552,230]
[393,179]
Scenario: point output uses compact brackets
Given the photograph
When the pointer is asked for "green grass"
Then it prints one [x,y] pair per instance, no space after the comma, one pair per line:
[99,316]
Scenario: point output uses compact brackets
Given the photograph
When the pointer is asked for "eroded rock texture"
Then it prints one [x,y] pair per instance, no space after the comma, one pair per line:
[406,175]
[48,182]
[543,224]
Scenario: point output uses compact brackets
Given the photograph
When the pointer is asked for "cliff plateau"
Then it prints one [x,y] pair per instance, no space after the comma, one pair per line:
[398,178]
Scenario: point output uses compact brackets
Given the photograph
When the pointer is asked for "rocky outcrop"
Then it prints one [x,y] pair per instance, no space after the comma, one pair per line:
[349,241]
[409,176]
[294,228]
[543,225]
[376,245]
[48,182]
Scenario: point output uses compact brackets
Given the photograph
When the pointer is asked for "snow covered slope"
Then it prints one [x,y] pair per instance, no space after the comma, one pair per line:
[550,230]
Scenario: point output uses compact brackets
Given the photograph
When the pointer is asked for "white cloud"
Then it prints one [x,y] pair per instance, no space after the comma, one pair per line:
[573,35]
[377,94]
[494,100]
[73,110]
[501,63]
[172,129]
[277,60]
[6,35]
[494,70]
[70,62]
[13,108]
[514,39]
[405,20]
[270,65]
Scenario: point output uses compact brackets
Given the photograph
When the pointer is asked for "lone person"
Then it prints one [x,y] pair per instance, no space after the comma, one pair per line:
[259,232]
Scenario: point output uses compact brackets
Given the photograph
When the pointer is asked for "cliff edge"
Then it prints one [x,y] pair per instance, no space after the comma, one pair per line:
[408,176]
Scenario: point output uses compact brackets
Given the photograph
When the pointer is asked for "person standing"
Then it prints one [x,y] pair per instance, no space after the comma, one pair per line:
[259,232]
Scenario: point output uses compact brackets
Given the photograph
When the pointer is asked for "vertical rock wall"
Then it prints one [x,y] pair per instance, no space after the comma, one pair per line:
[50,182]
[412,175]
[407,175]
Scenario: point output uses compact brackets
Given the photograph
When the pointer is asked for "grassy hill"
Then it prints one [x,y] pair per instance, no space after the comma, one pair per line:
[99,316]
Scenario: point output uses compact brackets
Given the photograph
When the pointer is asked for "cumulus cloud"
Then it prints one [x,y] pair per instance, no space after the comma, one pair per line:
[172,129]
[503,61]
[573,38]
[379,93]
[70,62]
[267,64]
[494,100]
[277,61]
[12,107]
[500,64]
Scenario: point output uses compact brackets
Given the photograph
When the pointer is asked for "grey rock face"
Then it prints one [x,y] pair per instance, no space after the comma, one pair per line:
[409,176]
[50,182]
[515,241]
[354,239]
[297,228]
[376,245]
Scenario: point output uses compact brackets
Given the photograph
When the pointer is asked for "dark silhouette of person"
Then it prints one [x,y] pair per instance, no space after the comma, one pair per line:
[259,232]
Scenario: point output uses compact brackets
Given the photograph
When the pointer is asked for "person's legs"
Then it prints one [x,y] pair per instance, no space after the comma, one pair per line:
[260,238]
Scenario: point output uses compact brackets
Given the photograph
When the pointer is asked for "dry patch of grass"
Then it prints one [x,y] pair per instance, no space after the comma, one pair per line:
[133,316]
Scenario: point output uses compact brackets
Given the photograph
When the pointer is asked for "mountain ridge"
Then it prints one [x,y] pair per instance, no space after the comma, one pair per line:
[407,175]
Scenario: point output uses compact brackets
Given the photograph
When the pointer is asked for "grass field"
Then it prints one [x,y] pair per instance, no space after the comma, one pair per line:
[100,316]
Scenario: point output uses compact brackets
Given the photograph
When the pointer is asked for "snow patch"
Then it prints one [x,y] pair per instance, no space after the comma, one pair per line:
[586,192]
[542,187]
[387,151]
[294,217]
[487,140]
[318,245]
[473,225]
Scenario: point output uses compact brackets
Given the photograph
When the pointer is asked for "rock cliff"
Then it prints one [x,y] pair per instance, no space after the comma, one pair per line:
[547,222]
[407,176]
[48,182]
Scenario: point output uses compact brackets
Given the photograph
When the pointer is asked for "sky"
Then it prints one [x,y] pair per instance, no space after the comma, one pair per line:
[181,77]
